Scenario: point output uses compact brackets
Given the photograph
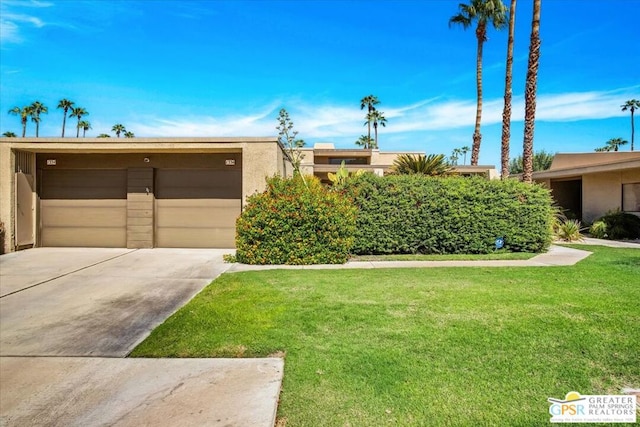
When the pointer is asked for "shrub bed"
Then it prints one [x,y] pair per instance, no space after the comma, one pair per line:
[295,221]
[417,214]
[617,225]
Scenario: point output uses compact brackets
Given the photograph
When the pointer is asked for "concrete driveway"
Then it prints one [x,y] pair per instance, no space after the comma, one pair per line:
[90,308]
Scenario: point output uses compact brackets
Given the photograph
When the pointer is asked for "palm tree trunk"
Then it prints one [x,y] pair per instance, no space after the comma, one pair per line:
[633,131]
[530,95]
[506,113]
[375,129]
[477,137]
[37,128]
[78,128]
[64,121]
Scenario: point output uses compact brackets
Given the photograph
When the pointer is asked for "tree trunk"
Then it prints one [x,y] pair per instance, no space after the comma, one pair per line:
[477,137]
[78,128]
[64,122]
[506,113]
[37,128]
[530,95]
[375,130]
[24,128]
[633,131]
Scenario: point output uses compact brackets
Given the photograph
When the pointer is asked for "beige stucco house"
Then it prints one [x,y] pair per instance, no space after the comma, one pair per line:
[134,193]
[324,158]
[590,184]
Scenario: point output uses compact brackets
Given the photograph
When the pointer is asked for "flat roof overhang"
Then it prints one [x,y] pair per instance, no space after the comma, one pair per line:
[134,145]
[334,168]
[577,172]
[342,153]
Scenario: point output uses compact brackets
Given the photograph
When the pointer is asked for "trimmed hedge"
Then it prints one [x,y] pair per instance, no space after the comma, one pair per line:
[295,222]
[417,214]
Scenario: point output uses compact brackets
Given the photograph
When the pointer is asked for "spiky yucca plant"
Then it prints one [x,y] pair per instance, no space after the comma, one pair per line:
[432,165]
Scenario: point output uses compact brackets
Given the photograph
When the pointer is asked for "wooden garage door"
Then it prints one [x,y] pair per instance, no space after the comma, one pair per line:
[197,208]
[83,208]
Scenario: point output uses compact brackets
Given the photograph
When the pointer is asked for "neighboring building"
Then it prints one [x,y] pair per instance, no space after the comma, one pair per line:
[590,184]
[134,193]
[324,158]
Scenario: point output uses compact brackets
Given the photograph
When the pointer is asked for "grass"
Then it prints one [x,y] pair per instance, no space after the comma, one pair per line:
[446,257]
[412,347]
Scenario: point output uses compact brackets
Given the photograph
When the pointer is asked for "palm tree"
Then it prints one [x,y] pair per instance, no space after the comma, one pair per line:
[455,155]
[128,134]
[484,12]
[506,112]
[364,141]
[432,165]
[613,144]
[85,126]
[118,128]
[24,114]
[631,105]
[65,104]
[464,150]
[369,102]
[9,134]
[78,112]
[104,135]
[530,89]
[37,108]
[376,117]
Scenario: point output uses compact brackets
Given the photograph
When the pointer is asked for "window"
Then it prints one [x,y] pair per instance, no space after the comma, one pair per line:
[631,197]
[348,161]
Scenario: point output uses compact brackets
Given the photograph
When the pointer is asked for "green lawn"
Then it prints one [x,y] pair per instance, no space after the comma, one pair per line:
[438,346]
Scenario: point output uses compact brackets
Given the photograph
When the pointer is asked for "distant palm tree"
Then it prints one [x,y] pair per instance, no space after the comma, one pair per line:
[37,108]
[631,105]
[65,104]
[508,92]
[369,102]
[104,135]
[483,12]
[432,165]
[128,134]
[118,128]
[613,144]
[364,141]
[24,114]
[85,126]
[464,150]
[455,155]
[376,117]
[530,90]
[78,112]
[9,134]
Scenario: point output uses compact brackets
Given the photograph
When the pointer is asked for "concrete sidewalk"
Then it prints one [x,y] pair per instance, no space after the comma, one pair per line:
[69,316]
[556,256]
[64,392]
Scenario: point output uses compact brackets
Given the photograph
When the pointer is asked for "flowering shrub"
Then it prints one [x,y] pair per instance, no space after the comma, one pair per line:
[295,221]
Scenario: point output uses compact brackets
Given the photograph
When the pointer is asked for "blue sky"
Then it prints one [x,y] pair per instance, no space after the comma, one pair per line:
[225,68]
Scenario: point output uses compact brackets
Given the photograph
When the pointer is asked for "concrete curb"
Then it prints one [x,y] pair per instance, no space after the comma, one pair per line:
[556,256]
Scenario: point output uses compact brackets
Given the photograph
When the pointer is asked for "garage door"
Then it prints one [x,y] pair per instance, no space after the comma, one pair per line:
[197,208]
[83,208]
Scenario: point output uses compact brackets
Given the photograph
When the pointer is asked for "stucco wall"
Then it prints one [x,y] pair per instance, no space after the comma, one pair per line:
[603,192]
[7,195]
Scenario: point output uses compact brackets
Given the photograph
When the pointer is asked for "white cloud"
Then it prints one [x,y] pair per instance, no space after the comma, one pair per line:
[12,22]
[339,121]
